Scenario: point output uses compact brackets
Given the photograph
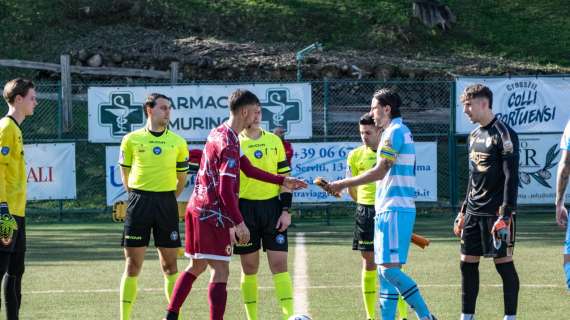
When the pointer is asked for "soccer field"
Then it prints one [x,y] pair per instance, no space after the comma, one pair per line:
[73,272]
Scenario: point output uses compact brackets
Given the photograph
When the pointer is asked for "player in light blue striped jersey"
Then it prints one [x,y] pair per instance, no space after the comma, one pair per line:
[395,176]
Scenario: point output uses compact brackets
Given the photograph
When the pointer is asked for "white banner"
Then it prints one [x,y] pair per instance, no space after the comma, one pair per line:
[539,157]
[51,171]
[114,186]
[328,160]
[528,105]
[197,109]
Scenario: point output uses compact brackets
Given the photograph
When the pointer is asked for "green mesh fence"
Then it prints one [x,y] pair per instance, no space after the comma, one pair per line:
[337,106]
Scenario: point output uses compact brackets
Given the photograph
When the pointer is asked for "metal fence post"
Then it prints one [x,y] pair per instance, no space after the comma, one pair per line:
[453,194]
[67,99]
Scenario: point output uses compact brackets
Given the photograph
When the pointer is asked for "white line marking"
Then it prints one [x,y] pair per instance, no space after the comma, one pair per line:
[300,276]
[62,291]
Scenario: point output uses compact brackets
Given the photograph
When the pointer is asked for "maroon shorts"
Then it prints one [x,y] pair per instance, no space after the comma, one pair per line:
[205,239]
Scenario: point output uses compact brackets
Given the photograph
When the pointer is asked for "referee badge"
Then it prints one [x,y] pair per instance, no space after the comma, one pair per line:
[157,150]
[174,236]
[5,150]
[258,154]
[280,239]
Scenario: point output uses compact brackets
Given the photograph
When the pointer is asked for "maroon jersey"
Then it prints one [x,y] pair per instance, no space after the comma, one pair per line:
[220,159]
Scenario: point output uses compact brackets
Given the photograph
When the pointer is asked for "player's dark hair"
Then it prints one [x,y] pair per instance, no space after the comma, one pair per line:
[150,101]
[477,91]
[366,120]
[17,87]
[389,97]
[241,98]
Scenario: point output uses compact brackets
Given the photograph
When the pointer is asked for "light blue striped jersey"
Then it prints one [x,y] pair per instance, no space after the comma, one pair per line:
[565,141]
[397,191]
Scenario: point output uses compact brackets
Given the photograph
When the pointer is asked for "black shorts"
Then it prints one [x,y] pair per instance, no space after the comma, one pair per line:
[477,240]
[18,243]
[261,217]
[364,228]
[151,211]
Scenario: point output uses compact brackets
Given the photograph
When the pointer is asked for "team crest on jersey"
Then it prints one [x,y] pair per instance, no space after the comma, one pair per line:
[258,154]
[5,150]
[157,150]
[228,250]
[280,239]
[488,142]
[231,163]
[174,236]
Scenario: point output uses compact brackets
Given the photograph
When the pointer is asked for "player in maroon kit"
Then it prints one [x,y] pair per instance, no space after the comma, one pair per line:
[213,219]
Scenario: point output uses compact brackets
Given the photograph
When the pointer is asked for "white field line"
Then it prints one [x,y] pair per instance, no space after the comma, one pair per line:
[300,276]
[297,288]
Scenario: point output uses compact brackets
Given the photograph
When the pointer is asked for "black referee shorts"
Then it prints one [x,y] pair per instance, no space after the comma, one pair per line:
[477,240]
[261,217]
[364,228]
[155,212]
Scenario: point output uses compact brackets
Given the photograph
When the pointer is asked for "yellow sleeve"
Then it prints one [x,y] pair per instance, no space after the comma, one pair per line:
[6,147]
[350,166]
[126,153]
[283,166]
[183,157]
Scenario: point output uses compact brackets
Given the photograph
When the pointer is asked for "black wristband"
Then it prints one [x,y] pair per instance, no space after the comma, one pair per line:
[286,200]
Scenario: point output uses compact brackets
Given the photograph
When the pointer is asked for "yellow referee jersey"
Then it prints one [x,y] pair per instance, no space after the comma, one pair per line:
[266,153]
[154,161]
[12,167]
[358,161]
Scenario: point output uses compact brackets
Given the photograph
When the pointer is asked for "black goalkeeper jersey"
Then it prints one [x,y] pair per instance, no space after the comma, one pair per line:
[493,170]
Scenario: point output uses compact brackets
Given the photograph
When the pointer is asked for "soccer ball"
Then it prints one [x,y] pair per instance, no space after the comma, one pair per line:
[300,317]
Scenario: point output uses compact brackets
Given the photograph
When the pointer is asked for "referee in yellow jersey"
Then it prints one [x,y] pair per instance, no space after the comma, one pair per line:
[358,161]
[20,95]
[265,210]
[154,164]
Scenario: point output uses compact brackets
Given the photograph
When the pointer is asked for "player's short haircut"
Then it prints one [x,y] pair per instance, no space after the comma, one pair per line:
[17,87]
[366,120]
[477,91]
[241,98]
[150,101]
[389,97]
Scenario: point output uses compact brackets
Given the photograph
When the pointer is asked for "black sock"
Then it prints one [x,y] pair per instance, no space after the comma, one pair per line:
[469,286]
[510,286]
[171,315]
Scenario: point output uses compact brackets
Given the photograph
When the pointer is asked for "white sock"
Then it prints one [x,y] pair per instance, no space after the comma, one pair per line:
[467,316]
[510,318]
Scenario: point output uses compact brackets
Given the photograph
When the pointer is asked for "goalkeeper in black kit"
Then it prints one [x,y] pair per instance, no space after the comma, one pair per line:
[486,221]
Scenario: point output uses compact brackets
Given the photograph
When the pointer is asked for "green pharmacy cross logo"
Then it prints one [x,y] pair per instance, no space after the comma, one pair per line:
[279,109]
[121,114]
[541,175]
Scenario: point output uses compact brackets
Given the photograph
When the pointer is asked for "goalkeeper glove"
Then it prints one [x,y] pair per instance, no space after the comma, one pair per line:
[501,228]
[7,225]
[458,224]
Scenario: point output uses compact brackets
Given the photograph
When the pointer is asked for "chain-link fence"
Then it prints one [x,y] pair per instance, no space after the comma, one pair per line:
[336,107]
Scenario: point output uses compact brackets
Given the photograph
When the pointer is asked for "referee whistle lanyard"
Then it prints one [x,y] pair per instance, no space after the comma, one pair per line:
[219,218]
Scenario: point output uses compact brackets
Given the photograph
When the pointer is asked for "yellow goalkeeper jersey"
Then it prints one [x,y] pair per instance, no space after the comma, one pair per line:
[266,153]
[12,167]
